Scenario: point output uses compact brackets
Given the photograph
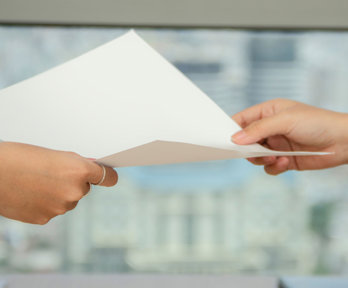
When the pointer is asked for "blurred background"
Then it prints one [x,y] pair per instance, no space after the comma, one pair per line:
[216,217]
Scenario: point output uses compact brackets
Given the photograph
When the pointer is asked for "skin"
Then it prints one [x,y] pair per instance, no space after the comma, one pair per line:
[287,125]
[38,184]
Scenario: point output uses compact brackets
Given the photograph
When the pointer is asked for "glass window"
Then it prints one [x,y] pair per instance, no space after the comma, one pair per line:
[216,217]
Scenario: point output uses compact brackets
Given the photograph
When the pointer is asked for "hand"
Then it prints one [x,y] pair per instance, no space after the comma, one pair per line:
[38,184]
[292,126]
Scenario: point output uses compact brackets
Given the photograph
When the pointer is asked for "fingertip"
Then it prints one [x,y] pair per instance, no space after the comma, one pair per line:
[251,160]
[111,178]
[115,178]
[267,160]
[271,170]
[279,166]
[283,162]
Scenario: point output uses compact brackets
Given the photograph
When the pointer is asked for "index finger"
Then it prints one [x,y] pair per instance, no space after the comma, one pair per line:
[261,110]
[249,115]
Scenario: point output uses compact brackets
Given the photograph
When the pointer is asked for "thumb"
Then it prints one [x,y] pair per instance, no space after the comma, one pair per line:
[274,125]
[97,175]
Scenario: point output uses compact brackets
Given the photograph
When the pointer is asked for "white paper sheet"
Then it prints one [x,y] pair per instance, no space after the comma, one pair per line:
[124,104]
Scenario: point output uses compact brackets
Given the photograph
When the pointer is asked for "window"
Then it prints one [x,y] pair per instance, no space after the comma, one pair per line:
[218,217]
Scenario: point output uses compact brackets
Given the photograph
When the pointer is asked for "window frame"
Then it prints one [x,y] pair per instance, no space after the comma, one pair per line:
[240,14]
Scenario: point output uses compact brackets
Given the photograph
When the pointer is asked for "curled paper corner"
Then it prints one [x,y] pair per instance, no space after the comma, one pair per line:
[127,96]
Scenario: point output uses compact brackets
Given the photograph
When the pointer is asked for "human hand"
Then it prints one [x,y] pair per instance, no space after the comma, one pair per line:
[287,125]
[37,184]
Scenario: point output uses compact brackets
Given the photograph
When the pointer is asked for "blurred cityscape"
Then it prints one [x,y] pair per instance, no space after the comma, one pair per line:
[216,217]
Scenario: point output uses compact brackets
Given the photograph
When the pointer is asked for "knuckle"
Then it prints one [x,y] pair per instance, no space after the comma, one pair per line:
[73,154]
[76,169]
[72,205]
[77,172]
[289,123]
[82,170]
[283,101]
[42,220]
[61,211]
[73,195]
[255,127]
[69,205]
[278,99]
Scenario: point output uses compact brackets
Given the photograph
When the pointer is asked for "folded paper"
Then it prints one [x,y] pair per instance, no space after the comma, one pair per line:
[125,105]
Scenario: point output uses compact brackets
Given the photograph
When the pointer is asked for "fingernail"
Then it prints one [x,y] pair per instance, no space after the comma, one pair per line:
[239,136]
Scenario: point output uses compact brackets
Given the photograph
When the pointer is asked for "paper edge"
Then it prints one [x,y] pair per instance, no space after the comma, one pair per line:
[266,153]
